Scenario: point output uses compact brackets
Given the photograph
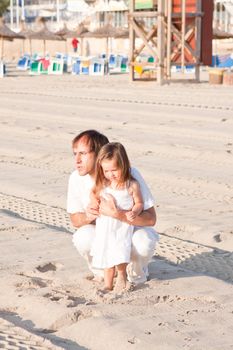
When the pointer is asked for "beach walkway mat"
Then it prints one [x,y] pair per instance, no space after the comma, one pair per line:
[199,258]
[17,338]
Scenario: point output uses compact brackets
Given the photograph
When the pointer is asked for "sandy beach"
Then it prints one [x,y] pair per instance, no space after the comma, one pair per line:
[180,137]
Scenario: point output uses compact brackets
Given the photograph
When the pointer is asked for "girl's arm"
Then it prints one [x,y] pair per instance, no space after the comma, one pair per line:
[138,201]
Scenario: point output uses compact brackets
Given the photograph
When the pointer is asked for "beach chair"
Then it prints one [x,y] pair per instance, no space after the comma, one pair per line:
[45,63]
[67,61]
[98,66]
[124,65]
[145,67]
[112,62]
[117,64]
[56,67]
[35,68]
[85,66]
[76,66]
[228,63]
[189,69]
[2,69]
[24,62]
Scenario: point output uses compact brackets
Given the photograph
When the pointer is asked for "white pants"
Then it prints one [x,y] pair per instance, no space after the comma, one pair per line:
[143,247]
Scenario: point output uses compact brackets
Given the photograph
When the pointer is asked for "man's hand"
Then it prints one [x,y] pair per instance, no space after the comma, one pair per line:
[108,206]
[92,210]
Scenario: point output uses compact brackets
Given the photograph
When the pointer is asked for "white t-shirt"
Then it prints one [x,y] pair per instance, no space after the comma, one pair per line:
[79,189]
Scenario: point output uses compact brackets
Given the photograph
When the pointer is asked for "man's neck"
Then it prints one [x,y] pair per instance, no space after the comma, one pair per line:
[92,175]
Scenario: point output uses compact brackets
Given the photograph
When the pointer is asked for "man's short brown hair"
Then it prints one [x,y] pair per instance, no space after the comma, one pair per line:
[94,138]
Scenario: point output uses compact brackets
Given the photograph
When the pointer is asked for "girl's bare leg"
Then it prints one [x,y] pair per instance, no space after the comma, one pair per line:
[121,278]
[108,278]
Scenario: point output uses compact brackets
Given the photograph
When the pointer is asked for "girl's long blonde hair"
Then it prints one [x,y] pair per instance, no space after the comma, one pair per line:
[116,151]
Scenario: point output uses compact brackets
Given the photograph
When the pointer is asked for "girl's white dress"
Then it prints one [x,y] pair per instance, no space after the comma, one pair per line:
[112,243]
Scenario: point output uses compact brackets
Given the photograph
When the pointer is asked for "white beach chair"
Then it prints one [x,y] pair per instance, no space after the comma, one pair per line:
[2,69]
[56,66]
[98,66]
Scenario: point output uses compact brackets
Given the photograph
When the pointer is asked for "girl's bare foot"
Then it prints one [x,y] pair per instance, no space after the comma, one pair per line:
[102,292]
[123,286]
[120,285]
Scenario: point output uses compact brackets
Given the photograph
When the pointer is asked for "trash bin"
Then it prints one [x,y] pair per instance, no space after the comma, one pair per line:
[216,76]
[228,78]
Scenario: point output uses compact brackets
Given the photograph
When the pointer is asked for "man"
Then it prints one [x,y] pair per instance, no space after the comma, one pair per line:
[75,43]
[83,214]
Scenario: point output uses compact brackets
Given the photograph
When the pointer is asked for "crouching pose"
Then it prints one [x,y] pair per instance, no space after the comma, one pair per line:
[84,212]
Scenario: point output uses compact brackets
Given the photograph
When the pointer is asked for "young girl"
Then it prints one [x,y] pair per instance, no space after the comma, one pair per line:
[112,245]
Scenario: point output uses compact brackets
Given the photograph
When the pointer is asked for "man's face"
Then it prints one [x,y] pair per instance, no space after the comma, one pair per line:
[84,157]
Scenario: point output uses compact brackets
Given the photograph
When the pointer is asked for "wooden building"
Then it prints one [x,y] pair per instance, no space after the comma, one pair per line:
[181,35]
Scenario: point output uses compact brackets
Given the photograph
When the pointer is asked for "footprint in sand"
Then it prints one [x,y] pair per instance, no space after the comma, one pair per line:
[49,267]
[32,283]
[69,319]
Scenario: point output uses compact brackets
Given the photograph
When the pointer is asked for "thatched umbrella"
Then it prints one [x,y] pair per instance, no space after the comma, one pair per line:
[67,33]
[6,33]
[122,33]
[44,34]
[27,33]
[107,31]
[220,34]
[78,32]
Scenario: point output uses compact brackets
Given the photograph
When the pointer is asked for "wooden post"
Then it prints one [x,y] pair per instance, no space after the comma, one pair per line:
[44,47]
[30,46]
[169,37]
[131,39]
[160,33]
[198,40]
[183,17]
[220,15]
[2,47]
[215,15]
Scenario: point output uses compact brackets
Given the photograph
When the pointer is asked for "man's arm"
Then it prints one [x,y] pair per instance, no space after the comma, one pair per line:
[146,218]
[89,217]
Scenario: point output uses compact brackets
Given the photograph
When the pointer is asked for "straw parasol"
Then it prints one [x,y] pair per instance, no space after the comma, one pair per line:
[67,33]
[45,34]
[6,33]
[27,33]
[107,31]
[78,32]
[122,33]
[220,34]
